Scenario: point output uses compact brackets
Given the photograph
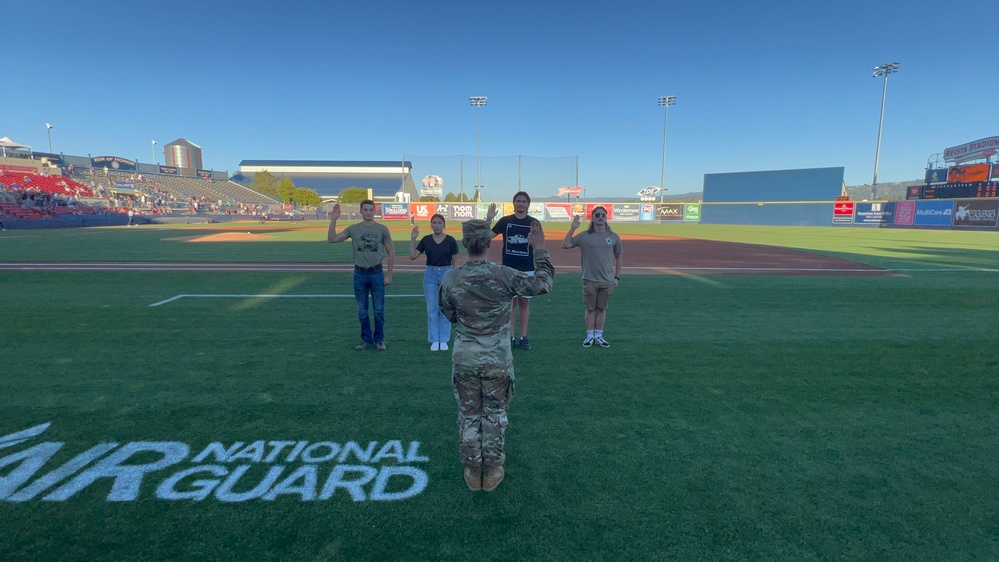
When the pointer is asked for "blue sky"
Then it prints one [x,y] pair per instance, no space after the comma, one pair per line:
[759,85]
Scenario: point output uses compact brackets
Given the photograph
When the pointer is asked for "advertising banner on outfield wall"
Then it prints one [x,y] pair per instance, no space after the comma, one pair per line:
[905,213]
[558,212]
[843,213]
[934,213]
[423,211]
[629,212]
[874,213]
[648,212]
[462,211]
[171,170]
[669,212]
[976,212]
[692,212]
[395,211]
[591,206]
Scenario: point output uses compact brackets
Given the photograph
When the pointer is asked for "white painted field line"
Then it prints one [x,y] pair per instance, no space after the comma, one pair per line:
[224,296]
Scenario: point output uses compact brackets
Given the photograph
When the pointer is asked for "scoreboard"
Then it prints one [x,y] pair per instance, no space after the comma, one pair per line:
[965,190]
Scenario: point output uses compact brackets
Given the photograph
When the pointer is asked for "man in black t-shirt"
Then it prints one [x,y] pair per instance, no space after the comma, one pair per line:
[518,254]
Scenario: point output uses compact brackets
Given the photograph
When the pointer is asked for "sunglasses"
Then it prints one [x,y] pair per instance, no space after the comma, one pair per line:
[599,215]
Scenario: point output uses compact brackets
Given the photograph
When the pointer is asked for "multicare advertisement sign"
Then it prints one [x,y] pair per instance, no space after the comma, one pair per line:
[934,213]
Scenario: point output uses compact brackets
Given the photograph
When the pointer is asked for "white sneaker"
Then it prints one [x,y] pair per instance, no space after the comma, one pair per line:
[435,346]
[443,346]
[588,342]
[601,341]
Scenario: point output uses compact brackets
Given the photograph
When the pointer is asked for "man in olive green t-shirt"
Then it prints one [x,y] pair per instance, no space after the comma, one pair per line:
[600,258]
[372,243]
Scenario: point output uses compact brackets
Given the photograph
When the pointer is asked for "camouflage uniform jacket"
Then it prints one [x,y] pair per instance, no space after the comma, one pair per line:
[477,296]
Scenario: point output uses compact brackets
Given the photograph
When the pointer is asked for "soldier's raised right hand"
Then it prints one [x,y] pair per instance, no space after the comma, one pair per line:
[414,233]
[335,213]
[537,236]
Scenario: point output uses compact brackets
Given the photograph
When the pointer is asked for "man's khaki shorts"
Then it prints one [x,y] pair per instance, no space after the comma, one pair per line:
[597,295]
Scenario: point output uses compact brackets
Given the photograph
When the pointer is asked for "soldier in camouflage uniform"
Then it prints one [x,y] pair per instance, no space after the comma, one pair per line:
[477,295]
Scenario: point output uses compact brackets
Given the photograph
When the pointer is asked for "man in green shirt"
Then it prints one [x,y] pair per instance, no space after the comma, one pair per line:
[477,295]
[371,243]
[600,258]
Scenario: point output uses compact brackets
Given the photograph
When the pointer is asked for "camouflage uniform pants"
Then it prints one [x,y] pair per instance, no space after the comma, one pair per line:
[483,394]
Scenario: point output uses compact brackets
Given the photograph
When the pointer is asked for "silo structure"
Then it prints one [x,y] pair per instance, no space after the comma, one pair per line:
[183,153]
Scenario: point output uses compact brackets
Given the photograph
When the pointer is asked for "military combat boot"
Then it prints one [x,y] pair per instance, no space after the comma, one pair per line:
[492,477]
[473,477]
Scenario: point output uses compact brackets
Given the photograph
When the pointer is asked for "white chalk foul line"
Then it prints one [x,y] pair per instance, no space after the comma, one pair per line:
[222,296]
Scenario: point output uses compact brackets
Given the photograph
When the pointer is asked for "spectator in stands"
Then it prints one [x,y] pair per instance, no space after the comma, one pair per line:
[371,244]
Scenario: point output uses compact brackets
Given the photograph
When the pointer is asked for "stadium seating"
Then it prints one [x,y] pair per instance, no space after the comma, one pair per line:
[169,189]
[55,185]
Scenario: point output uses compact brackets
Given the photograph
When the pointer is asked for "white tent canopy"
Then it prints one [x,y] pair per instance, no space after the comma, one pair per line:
[6,143]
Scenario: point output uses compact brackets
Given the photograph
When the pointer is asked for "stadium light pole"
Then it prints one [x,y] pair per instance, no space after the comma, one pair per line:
[881,70]
[664,101]
[156,161]
[478,102]
[48,129]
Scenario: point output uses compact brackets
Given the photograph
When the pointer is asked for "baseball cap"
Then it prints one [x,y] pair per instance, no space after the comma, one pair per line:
[476,229]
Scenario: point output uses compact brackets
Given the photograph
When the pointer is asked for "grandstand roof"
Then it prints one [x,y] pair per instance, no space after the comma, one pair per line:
[330,177]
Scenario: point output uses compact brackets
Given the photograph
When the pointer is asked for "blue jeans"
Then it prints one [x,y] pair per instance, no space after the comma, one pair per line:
[374,283]
[438,327]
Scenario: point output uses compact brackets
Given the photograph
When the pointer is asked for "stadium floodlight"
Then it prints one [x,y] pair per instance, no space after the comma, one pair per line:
[664,101]
[478,102]
[156,161]
[48,129]
[881,70]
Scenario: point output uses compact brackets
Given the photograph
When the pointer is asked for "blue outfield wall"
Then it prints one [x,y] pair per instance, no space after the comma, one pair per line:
[810,184]
[768,214]
[772,197]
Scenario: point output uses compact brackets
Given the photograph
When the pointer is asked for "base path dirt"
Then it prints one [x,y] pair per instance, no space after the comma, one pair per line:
[648,255]
[688,256]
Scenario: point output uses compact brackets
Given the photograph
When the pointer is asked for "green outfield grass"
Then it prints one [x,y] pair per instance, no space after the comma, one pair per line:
[734,417]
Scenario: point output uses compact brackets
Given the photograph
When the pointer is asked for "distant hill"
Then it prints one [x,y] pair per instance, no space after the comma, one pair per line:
[888,191]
